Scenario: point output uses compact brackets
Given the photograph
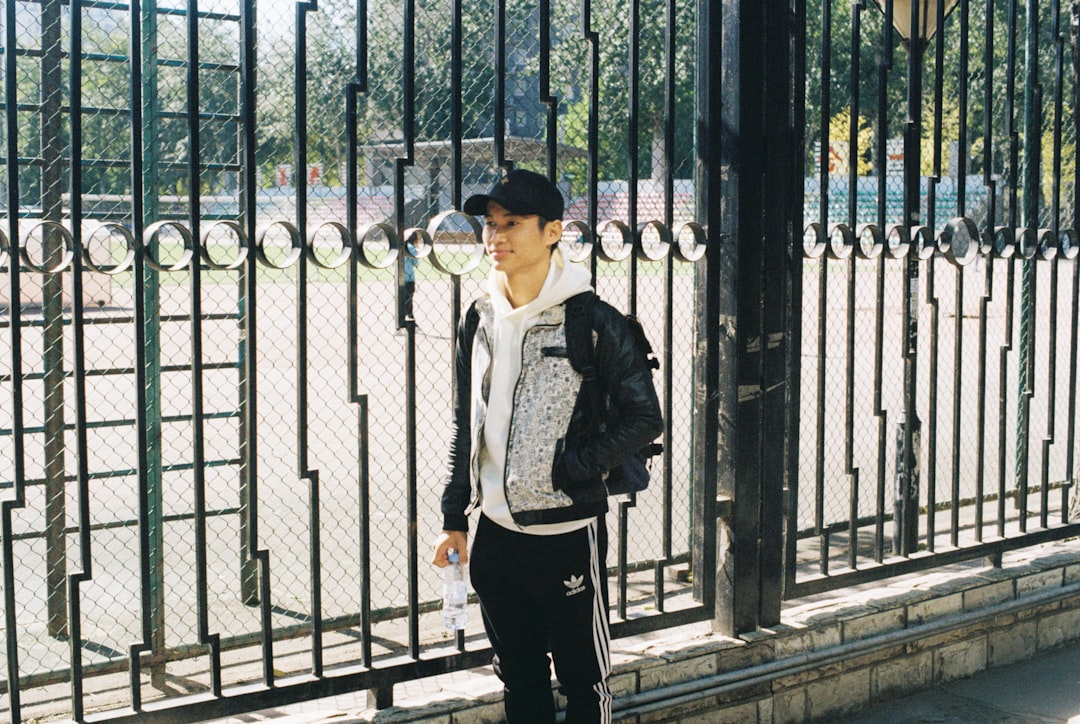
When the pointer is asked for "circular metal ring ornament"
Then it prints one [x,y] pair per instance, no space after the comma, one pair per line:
[129,254]
[5,249]
[153,231]
[1026,242]
[343,254]
[241,246]
[625,249]
[663,244]
[869,241]
[391,237]
[1067,243]
[1046,244]
[417,243]
[814,241]
[1003,242]
[296,245]
[923,241]
[582,249]
[841,241]
[475,256]
[699,239]
[897,241]
[69,248]
[959,241]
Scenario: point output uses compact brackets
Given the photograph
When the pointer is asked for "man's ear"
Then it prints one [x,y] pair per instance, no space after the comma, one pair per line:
[554,231]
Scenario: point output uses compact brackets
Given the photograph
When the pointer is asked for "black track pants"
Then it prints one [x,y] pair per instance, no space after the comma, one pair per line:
[543,593]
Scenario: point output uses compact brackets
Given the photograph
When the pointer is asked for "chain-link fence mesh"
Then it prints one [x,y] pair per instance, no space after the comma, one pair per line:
[991,223]
[251,393]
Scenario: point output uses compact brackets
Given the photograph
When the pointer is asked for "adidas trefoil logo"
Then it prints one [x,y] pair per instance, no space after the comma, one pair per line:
[574,585]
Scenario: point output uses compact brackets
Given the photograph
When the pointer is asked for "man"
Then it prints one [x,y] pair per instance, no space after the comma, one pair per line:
[526,451]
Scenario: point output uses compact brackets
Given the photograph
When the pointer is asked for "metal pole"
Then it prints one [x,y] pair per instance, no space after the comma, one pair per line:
[908,518]
[52,310]
[151,322]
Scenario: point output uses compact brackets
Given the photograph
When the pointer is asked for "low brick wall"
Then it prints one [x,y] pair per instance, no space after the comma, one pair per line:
[832,655]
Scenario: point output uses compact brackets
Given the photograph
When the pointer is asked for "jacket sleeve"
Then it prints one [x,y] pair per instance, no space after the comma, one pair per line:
[457,489]
[625,376]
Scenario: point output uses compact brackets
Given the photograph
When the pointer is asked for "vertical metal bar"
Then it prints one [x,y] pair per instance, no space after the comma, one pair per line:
[988,128]
[854,71]
[1074,324]
[1051,392]
[500,86]
[710,396]
[633,89]
[198,433]
[962,102]
[849,412]
[592,152]
[52,310]
[931,287]
[356,87]
[852,219]
[256,561]
[302,341]
[1003,387]
[795,306]
[632,160]
[151,321]
[885,65]
[932,404]
[18,498]
[405,318]
[1031,191]
[880,413]
[909,495]
[980,422]
[957,419]
[141,19]
[1059,113]
[550,102]
[456,127]
[669,280]
[823,120]
[85,571]
[823,270]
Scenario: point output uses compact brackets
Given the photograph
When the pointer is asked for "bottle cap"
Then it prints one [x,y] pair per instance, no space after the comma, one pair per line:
[453,556]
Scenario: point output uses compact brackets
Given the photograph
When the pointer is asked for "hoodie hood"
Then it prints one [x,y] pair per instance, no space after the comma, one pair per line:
[564,280]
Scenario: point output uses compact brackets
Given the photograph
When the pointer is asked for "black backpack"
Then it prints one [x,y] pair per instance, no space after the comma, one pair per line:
[632,475]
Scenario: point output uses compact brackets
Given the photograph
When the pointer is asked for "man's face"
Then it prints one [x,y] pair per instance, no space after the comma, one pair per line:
[517,244]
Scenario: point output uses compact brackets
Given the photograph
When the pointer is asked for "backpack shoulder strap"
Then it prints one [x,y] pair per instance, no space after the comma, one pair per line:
[579,342]
[469,324]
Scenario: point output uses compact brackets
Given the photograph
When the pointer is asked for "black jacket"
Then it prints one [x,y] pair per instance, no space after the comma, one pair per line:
[581,457]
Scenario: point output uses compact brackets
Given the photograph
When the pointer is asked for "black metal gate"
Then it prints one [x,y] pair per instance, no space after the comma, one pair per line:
[939,277]
[231,271]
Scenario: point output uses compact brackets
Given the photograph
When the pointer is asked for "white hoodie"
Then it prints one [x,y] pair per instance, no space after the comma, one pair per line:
[563,281]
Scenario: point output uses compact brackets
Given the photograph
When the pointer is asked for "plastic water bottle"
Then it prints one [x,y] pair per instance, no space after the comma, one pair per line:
[455,593]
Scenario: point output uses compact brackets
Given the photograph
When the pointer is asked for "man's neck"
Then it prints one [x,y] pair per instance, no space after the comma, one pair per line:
[520,290]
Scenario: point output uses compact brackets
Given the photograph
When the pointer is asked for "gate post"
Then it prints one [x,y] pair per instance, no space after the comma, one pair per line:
[747,201]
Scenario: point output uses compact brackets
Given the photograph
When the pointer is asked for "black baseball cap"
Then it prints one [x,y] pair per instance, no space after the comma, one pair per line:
[520,192]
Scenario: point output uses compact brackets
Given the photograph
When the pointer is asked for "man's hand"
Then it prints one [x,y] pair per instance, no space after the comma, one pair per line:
[456,539]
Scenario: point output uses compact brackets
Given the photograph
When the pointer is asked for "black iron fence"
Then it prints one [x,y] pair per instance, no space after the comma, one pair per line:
[939,290]
[230,278]
[231,269]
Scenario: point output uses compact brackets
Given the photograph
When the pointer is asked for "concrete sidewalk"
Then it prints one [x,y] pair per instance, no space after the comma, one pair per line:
[1045,688]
